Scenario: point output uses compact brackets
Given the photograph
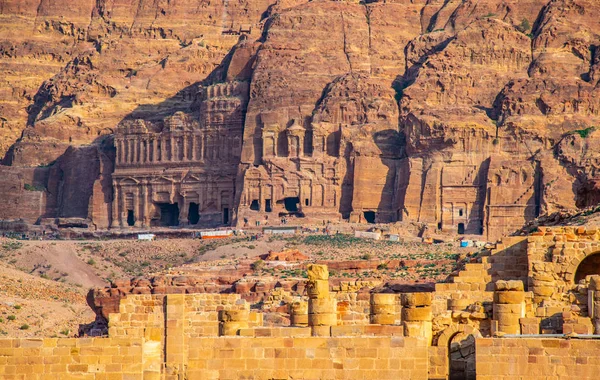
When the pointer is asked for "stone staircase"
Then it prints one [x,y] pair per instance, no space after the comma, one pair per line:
[490,266]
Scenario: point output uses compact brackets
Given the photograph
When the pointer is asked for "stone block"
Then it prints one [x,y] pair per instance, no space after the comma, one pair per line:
[322,305]
[317,272]
[383,319]
[322,319]
[233,315]
[416,299]
[383,309]
[509,297]
[383,299]
[317,289]
[508,309]
[417,314]
[503,285]
[321,331]
[507,319]
[459,304]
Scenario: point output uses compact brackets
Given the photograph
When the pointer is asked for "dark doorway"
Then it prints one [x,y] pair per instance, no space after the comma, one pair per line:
[461,354]
[193,213]
[306,202]
[461,228]
[369,216]
[588,266]
[225,215]
[460,212]
[130,218]
[169,214]
[254,206]
[268,205]
[291,204]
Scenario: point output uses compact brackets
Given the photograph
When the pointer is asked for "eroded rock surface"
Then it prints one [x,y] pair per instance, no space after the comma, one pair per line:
[473,117]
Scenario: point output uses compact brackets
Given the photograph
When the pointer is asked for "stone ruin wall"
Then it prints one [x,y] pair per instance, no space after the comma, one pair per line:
[502,296]
[529,358]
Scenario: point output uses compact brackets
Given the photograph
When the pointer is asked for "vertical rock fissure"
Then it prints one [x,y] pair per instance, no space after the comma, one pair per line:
[345,41]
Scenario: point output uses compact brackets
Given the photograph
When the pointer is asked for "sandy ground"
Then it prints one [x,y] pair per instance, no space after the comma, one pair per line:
[33,306]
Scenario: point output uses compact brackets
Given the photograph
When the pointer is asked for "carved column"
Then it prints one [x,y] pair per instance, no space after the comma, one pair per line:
[202,145]
[136,207]
[173,150]
[154,149]
[185,147]
[145,219]
[194,142]
[136,150]
[163,149]
[146,150]
[119,151]
[128,151]
[116,220]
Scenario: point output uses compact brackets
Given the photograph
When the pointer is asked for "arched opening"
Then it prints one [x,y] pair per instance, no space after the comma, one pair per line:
[225,215]
[130,218]
[254,206]
[169,214]
[369,216]
[461,356]
[291,204]
[588,266]
[461,228]
[193,213]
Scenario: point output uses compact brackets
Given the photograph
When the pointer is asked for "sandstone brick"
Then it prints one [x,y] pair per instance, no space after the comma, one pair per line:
[417,314]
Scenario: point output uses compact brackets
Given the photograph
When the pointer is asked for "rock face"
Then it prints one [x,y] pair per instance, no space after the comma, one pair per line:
[472,117]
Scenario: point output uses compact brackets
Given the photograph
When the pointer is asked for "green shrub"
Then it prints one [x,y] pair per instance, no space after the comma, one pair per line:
[584,133]
[11,317]
[257,265]
[524,26]
[91,262]
[29,187]
[24,327]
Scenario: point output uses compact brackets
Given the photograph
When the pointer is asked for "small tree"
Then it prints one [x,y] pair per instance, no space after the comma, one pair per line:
[524,26]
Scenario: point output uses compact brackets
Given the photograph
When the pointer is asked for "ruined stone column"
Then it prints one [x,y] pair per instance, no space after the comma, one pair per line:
[299,314]
[594,303]
[417,315]
[322,306]
[231,321]
[509,307]
[383,308]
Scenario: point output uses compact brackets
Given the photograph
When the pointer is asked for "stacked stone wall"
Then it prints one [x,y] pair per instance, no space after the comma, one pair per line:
[69,358]
[531,358]
[308,358]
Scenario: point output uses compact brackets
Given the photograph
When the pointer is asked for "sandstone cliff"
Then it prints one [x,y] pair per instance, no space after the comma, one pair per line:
[470,116]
